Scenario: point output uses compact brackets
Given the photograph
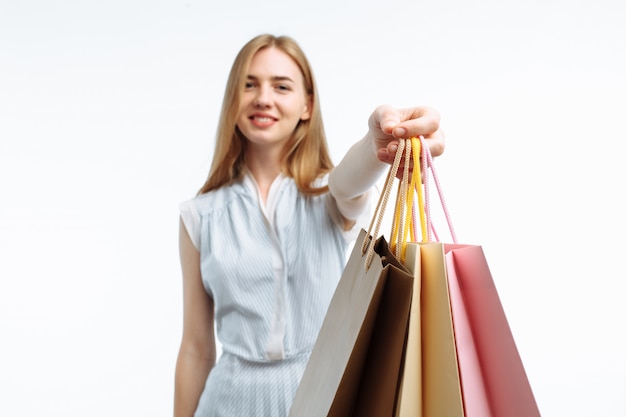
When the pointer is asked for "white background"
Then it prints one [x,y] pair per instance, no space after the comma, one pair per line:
[107,117]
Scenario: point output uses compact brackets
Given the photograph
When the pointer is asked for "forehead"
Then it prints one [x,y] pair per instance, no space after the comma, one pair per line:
[272,62]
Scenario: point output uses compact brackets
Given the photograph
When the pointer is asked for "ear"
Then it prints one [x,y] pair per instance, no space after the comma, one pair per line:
[308,108]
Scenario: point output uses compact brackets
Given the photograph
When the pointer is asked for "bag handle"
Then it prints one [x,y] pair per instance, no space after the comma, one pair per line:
[429,166]
[409,194]
[379,212]
[417,188]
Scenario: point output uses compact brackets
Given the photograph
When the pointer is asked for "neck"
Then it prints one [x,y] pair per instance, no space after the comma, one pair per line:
[264,167]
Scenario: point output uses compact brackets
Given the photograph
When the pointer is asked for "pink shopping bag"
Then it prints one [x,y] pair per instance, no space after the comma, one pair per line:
[493,379]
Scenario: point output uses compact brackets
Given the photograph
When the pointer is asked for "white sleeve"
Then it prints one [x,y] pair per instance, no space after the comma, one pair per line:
[363,221]
[191,220]
[350,181]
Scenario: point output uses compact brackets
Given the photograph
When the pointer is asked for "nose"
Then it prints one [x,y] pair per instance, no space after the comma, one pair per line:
[263,98]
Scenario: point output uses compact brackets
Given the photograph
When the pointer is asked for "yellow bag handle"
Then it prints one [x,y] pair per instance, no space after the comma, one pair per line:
[417,162]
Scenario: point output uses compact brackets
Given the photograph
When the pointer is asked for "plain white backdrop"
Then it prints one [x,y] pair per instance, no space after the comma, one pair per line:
[108,111]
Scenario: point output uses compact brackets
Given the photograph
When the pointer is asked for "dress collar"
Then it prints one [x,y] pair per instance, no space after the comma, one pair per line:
[269,207]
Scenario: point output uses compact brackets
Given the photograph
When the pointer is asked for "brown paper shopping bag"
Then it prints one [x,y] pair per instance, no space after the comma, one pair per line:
[382,368]
[355,364]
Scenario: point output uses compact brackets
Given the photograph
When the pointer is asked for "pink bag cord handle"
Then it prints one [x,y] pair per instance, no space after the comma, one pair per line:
[428,165]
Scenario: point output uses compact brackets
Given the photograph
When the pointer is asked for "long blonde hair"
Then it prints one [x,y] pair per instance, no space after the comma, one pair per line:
[305,156]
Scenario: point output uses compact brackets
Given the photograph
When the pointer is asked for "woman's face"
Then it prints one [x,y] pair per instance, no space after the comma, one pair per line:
[274,99]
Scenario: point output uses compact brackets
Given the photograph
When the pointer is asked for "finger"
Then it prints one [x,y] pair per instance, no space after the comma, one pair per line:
[415,121]
[388,153]
[388,157]
[436,142]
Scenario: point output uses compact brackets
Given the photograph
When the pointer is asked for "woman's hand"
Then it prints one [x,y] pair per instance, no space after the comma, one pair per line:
[388,124]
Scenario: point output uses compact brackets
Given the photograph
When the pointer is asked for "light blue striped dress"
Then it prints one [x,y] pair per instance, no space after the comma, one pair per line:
[271,271]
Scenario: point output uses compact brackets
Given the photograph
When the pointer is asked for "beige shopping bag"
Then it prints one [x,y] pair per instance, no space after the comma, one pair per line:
[441,384]
[430,382]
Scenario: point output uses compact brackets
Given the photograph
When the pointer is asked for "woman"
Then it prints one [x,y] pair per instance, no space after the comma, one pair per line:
[262,245]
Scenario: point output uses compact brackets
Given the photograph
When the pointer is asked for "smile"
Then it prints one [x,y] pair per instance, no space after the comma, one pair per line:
[262,119]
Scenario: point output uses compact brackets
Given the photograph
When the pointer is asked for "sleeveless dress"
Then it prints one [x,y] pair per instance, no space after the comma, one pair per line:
[271,271]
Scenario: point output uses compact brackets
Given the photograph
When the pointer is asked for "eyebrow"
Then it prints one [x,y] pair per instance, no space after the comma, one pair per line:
[274,78]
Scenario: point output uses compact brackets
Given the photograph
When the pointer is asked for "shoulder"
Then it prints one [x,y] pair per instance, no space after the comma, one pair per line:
[215,200]
[218,201]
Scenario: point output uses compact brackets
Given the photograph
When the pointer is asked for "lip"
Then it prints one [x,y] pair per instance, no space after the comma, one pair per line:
[262,116]
[262,119]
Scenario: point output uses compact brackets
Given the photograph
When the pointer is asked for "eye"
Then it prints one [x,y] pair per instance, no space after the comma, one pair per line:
[283,87]
[249,85]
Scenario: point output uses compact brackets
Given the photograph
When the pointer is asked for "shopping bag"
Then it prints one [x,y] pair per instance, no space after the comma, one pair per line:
[493,376]
[493,380]
[430,383]
[355,363]
[381,371]
[441,384]
[475,399]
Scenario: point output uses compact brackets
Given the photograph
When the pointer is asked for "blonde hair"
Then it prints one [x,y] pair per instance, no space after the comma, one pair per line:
[305,156]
